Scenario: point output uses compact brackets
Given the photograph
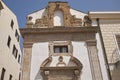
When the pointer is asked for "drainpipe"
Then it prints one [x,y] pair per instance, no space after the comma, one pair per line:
[104,52]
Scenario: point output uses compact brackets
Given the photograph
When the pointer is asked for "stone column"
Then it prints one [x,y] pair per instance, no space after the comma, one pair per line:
[94,60]
[26,63]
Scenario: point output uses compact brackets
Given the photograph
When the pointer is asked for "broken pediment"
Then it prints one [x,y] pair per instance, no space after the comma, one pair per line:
[52,19]
[61,62]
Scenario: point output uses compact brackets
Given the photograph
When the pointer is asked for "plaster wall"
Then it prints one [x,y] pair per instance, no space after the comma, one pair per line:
[77,14]
[40,51]
[37,14]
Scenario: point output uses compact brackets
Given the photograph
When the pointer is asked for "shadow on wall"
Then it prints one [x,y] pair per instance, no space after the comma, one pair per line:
[116,60]
[38,76]
[116,72]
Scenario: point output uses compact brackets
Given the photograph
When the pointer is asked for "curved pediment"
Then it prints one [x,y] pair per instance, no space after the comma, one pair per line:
[61,62]
[48,17]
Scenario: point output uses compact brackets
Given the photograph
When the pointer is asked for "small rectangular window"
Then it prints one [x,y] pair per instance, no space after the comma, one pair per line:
[12,24]
[17,35]
[19,76]
[10,78]
[19,59]
[15,51]
[2,74]
[60,49]
[9,41]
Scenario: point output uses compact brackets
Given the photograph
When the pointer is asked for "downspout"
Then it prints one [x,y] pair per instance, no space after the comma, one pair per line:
[104,52]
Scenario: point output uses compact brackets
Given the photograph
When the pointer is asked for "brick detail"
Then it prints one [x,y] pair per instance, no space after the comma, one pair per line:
[108,32]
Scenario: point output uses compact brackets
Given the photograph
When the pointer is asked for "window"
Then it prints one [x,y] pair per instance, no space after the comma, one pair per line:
[60,49]
[2,74]
[10,78]
[19,75]
[17,35]
[19,59]
[9,41]
[15,51]
[12,24]
[118,42]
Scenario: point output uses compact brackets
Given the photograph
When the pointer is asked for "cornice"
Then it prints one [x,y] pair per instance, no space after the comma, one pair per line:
[58,30]
[105,15]
[59,68]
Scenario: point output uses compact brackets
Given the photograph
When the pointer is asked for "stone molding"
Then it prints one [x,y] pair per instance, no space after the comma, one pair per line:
[48,71]
[73,59]
[59,30]
[91,42]
[27,44]
[105,15]
[60,43]
[32,35]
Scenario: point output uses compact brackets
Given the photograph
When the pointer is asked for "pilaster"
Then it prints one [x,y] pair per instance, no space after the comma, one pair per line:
[94,60]
[26,61]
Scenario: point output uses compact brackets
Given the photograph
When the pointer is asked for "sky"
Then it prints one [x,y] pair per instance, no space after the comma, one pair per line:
[24,7]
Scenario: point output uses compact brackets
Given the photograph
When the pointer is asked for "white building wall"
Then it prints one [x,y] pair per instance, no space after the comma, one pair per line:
[80,52]
[77,14]
[40,52]
[37,14]
[101,58]
[7,60]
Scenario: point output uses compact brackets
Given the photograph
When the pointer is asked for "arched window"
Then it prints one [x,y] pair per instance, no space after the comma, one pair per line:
[58,18]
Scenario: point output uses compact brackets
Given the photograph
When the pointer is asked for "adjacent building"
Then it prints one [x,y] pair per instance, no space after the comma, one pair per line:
[10,53]
[61,43]
[109,24]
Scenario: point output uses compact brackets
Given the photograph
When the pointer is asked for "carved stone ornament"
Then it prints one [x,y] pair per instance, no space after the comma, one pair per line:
[61,63]
[29,23]
[48,19]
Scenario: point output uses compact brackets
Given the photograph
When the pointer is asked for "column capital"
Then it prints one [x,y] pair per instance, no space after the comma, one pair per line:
[91,42]
[27,44]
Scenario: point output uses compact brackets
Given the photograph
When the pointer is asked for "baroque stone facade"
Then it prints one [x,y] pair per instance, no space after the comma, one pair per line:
[67,52]
[48,18]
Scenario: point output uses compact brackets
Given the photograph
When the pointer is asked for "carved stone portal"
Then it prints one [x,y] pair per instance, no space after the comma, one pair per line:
[65,72]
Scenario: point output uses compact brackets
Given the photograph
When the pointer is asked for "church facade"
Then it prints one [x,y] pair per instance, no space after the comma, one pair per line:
[61,43]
